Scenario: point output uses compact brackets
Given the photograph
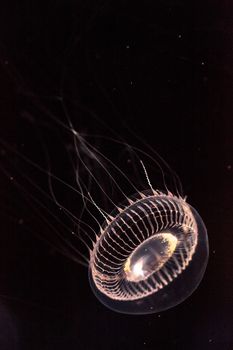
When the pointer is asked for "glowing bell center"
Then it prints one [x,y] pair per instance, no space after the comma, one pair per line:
[150,256]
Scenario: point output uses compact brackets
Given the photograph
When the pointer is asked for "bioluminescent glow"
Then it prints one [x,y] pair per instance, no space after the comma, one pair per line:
[150,256]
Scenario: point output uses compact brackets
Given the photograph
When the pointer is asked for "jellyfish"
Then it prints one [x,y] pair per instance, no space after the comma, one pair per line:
[150,251]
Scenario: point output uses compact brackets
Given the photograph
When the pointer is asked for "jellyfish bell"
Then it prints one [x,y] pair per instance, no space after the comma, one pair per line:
[151,256]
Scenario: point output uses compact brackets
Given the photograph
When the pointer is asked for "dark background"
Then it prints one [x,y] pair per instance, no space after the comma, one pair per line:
[164,69]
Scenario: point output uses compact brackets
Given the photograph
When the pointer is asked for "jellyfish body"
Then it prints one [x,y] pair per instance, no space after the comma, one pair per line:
[150,255]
